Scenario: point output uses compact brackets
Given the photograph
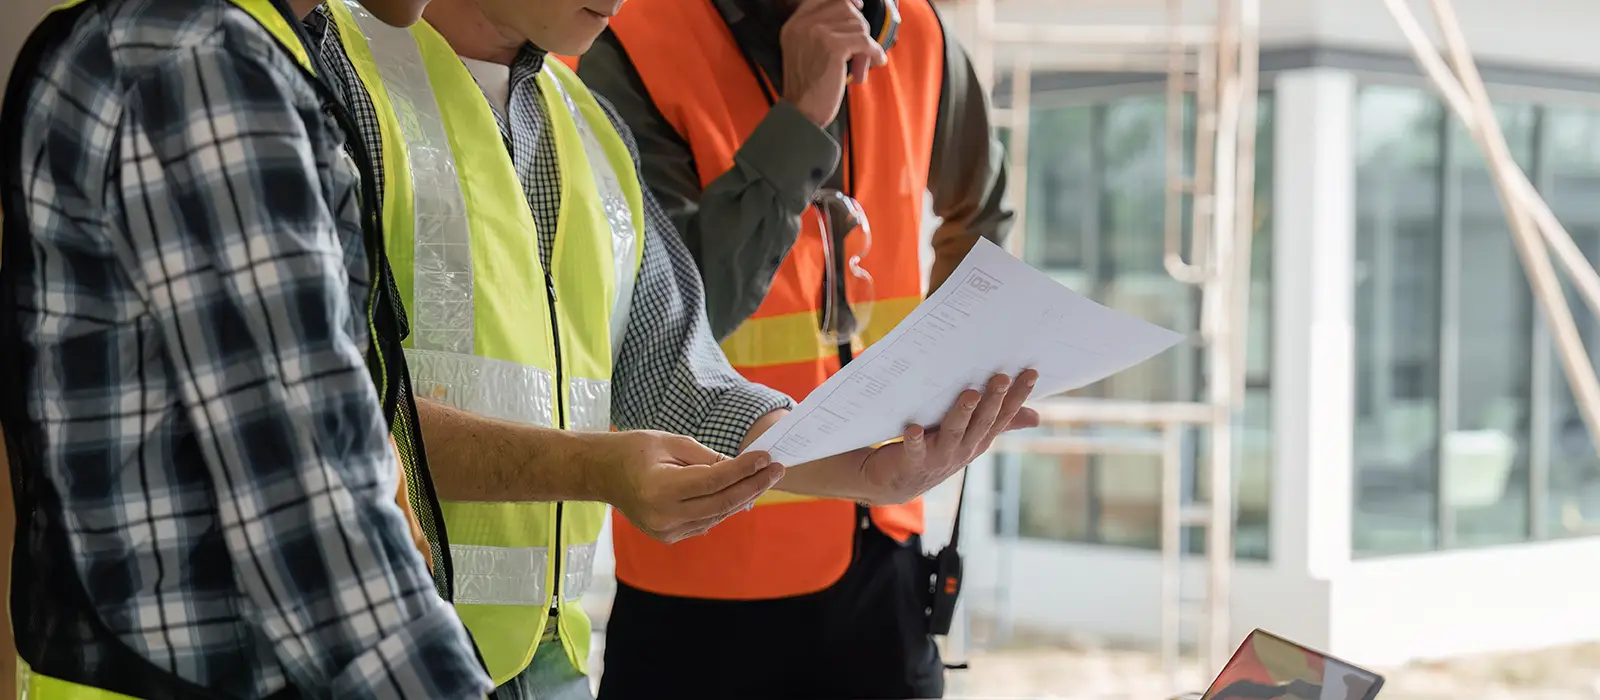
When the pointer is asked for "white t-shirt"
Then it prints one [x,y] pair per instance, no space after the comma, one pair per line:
[495,81]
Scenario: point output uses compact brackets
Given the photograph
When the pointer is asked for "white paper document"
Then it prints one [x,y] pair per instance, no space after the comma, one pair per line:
[995,315]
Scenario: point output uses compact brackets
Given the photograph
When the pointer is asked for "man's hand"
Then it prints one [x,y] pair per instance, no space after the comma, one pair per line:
[673,487]
[825,43]
[924,459]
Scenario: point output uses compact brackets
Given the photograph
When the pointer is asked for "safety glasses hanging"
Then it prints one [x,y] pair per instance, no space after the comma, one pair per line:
[847,291]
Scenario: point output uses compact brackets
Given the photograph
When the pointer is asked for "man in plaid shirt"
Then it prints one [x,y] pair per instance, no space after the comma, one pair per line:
[207,485]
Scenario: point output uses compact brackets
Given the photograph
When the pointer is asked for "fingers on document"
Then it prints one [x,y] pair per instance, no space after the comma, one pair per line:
[736,495]
[915,444]
[1013,408]
[983,417]
[711,478]
[954,426]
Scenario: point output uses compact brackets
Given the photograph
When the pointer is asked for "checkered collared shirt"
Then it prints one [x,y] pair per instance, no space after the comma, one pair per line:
[671,375]
[211,478]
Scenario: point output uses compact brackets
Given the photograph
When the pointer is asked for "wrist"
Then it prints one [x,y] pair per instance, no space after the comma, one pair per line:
[841,476]
[816,115]
[595,477]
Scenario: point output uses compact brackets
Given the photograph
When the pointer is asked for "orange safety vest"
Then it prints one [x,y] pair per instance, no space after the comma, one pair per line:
[790,545]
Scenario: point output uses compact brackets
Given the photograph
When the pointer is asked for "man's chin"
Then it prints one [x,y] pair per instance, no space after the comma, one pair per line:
[571,46]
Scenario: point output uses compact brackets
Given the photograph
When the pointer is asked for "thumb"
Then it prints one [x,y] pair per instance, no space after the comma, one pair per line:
[858,68]
[712,478]
[685,450]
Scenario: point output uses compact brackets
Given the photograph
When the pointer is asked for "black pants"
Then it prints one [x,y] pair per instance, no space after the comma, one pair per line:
[865,637]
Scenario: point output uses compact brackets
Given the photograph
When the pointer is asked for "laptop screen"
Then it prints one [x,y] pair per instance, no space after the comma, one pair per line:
[1269,667]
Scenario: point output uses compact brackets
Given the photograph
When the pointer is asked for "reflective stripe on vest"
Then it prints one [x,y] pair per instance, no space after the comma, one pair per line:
[791,545]
[35,686]
[465,249]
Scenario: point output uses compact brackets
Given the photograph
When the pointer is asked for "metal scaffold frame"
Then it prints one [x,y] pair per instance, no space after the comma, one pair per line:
[1215,65]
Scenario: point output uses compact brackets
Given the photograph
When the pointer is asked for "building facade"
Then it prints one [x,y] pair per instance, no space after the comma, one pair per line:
[1413,477]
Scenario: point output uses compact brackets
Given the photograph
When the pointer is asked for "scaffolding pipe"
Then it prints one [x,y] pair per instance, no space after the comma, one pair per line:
[1021,118]
[1205,145]
[1223,59]
[1177,183]
[1468,98]
[1234,323]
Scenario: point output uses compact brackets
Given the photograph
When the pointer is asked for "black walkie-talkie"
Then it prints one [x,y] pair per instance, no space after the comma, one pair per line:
[944,574]
[883,20]
[946,589]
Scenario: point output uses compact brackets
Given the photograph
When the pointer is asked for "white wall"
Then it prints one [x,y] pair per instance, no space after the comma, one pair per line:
[1520,597]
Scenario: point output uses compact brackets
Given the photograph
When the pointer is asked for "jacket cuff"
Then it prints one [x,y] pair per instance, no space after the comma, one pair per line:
[792,154]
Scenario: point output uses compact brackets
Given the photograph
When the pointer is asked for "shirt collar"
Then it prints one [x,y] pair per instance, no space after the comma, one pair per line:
[530,60]
[316,26]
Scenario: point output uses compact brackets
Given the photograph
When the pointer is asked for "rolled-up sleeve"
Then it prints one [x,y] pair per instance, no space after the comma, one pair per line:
[242,270]
[671,374]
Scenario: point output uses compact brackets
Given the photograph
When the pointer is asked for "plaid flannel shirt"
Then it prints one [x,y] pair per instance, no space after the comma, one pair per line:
[193,309]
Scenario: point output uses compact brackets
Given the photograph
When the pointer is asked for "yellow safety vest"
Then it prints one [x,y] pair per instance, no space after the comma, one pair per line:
[35,686]
[492,332]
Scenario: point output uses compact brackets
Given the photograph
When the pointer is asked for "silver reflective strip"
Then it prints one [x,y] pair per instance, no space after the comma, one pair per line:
[618,216]
[499,575]
[442,294]
[577,571]
[589,403]
[493,388]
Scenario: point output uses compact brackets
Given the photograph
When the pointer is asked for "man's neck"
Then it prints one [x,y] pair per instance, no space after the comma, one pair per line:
[304,8]
[471,33]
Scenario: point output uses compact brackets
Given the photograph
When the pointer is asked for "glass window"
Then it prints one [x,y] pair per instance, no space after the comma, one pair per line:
[1483,453]
[1096,183]
[1572,188]
[1444,328]
[1397,279]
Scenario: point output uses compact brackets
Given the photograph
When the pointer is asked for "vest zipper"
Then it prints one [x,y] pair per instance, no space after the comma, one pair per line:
[556,556]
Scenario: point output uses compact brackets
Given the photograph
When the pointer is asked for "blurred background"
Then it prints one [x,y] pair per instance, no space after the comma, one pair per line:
[1407,481]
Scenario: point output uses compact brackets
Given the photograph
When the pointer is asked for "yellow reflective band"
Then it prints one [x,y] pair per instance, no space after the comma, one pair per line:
[272,20]
[34,686]
[791,338]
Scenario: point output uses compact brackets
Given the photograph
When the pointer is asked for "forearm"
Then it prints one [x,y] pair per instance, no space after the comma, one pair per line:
[739,226]
[748,218]
[839,476]
[473,458]
[671,375]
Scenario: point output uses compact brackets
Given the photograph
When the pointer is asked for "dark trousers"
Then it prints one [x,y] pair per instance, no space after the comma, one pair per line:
[865,637]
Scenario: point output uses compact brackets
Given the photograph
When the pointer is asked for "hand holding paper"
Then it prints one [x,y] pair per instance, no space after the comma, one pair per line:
[995,316]
[924,459]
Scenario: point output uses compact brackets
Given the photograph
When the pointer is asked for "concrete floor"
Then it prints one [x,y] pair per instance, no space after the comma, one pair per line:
[1036,666]
[1569,673]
